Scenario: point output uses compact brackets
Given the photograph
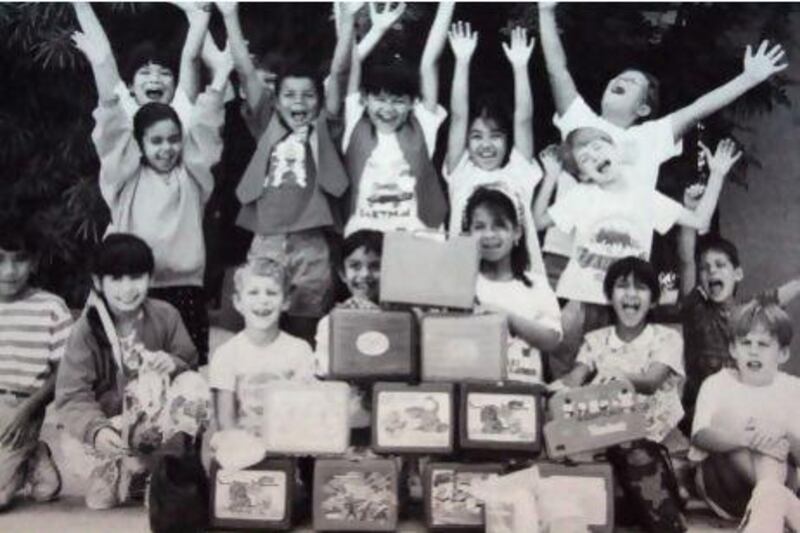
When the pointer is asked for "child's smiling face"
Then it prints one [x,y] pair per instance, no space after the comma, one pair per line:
[153,83]
[162,144]
[124,294]
[597,161]
[388,112]
[297,102]
[487,144]
[626,94]
[758,354]
[631,299]
[718,276]
[260,300]
[362,273]
[496,235]
[16,267]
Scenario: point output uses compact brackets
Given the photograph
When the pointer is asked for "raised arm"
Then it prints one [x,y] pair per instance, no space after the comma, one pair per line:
[551,162]
[719,163]
[463,42]
[93,42]
[380,21]
[429,64]
[197,14]
[687,242]
[561,82]
[518,54]
[758,67]
[340,64]
[251,84]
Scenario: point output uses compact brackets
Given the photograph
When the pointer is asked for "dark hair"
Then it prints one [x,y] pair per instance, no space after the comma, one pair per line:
[770,315]
[578,138]
[642,271]
[718,244]
[370,240]
[494,108]
[17,234]
[145,53]
[122,254]
[501,207]
[392,76]
[300,69]
[149,114]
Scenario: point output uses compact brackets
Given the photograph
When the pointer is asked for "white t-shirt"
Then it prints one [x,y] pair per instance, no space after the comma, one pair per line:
[387,190]
[246,369]
[604,352]
[608,225]
[556,241]
[724,392]
[180,103]
[519,175]
[644,146]
[537,303]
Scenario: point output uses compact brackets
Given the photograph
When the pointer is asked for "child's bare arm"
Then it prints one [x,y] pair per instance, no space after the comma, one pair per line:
[429,64]
[380,21]
[720,163]
[198,15]
[789,291]
[649,381]
[463,42]
[225,408]
[687,243]
[518,54]
[758,67]
[93,42]
[577,376]
[719,439]
[551,161]
[340,64]
[251,84]
[561,82]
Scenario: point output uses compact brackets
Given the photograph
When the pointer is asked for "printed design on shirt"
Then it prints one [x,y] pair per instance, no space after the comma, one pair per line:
[390,191]
[251,392]
[613,238]
[287,165]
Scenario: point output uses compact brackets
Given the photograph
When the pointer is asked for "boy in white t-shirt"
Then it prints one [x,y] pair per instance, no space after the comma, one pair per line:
[243,367]
[612,219]
[745,429]
[390,137]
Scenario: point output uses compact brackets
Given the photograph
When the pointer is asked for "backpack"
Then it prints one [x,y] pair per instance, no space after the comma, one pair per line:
[178,497]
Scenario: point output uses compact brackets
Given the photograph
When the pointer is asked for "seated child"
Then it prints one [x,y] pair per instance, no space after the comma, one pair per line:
[295,175]
[650,356]
[506,286]
[745,432]
[478,152]
[361,273]
[612,219]
[243,367]
[390,137]
[113,391]
[156,178]
[36,323]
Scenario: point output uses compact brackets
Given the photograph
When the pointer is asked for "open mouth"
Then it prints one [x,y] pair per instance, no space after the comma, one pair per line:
[154,94]
[262,313]
[299,116]
[632,307]
[604,166]
[618,89]
[715,286]
[754,365]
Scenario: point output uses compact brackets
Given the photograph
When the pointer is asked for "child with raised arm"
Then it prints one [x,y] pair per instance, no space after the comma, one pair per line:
[36,325]
[390,135]
[125,384]
[155,176]
[289,189]
[744,431]
[478,148]
[631,99]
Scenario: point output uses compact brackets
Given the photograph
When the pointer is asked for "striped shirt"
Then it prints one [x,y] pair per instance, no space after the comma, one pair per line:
[33,334]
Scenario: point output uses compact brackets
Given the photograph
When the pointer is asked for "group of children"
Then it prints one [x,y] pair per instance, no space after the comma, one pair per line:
[338,163]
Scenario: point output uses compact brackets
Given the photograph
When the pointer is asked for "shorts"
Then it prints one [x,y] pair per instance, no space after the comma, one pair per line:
[722,488]
[307,257]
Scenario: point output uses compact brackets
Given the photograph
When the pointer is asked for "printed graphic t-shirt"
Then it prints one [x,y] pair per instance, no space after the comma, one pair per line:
[608,225]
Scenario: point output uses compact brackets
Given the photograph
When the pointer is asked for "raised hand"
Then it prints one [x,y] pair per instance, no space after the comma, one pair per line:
[463,40]
[764,62]
[551,160]
[227,8]
[547,6]
[348,8]
[725,156]
[519,50]
[95,51]
[385,19]
[193,8]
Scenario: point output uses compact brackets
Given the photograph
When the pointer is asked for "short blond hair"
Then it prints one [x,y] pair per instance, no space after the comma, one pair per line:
[267,268]
[770,315]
